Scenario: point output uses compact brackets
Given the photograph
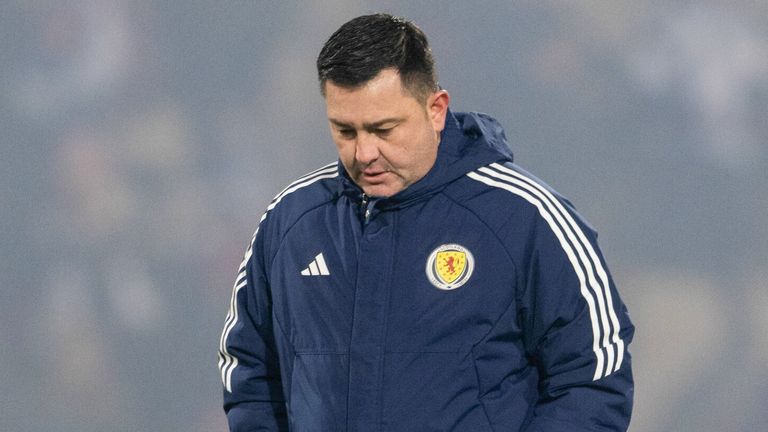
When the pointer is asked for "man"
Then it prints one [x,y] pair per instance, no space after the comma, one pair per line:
[424,282]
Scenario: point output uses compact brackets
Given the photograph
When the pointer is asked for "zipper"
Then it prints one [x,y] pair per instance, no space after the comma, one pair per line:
[364,206]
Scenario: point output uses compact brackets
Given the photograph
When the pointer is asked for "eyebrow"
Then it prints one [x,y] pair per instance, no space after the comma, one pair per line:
[368,126]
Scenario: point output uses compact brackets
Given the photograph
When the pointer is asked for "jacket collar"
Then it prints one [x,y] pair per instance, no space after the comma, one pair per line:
[468,141]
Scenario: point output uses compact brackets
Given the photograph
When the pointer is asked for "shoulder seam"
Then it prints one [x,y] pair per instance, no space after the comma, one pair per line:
[516,301]
[482,220]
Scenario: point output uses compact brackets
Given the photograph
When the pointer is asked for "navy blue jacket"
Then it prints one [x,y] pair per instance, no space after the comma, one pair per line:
[474,300]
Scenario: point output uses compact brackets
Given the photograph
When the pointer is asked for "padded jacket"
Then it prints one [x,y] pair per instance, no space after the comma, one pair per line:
[475,300]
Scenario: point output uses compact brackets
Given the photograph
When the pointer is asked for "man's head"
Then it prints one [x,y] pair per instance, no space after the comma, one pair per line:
[366,45]
[383,104]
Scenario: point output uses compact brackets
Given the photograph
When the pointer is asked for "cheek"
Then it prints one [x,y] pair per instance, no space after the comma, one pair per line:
[423,157]
[407,161]
[341,147]
[346,151]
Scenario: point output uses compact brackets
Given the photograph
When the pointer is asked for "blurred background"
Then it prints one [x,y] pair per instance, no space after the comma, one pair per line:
[141,140]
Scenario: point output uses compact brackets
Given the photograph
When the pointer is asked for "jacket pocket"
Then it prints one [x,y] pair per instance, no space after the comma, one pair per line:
[318,392]
[431,391]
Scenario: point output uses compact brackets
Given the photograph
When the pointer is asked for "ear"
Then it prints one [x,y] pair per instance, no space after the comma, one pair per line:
[437,108]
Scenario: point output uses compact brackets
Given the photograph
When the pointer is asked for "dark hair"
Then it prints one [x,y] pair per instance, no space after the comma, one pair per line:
[364,46]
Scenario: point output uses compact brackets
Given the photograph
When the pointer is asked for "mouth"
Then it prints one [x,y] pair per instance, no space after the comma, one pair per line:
[374,176]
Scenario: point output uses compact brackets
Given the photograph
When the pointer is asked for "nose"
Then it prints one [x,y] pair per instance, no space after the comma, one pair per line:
[366,148]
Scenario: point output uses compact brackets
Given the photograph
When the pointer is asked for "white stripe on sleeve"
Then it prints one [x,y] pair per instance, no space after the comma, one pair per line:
[574,243]
[227,361]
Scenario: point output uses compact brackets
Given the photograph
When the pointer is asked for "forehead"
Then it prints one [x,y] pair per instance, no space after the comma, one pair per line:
[383,95]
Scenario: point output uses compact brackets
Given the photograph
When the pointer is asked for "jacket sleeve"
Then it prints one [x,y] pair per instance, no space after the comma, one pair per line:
[248,360]
[576,330]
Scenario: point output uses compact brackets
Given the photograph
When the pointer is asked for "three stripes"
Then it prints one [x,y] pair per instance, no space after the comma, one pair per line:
[593,278]
[317,267]
[227,361]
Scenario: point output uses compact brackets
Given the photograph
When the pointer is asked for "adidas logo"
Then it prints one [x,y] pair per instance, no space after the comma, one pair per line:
[317,267]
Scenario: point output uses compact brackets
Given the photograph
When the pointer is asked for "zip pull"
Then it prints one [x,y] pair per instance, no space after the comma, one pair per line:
[364,207]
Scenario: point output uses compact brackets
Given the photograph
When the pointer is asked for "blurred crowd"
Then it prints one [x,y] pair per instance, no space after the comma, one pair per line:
[142,140]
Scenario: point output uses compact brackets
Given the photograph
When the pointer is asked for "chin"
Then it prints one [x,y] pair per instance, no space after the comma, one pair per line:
[380,191]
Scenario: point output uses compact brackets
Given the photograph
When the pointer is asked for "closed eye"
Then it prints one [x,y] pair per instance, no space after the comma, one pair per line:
[383,132]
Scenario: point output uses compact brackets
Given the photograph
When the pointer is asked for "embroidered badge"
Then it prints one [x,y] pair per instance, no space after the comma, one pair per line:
[450,266]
